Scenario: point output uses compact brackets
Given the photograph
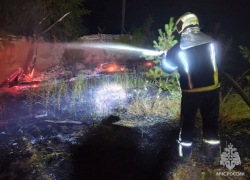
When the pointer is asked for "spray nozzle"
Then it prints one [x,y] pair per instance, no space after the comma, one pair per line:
[163,54]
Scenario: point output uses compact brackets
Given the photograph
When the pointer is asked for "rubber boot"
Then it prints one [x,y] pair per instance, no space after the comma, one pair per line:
[185,151]
[211,152]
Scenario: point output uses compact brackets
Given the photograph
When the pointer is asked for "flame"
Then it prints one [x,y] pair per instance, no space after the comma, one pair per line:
[32,73]
[149,64]
[29,76]
[112,68]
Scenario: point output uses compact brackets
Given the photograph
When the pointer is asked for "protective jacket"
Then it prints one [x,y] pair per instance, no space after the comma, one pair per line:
[198,67]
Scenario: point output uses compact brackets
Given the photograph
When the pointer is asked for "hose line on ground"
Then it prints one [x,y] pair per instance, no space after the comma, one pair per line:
[236,87]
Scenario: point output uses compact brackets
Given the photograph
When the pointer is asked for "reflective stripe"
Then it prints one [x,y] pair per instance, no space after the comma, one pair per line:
[212,49]
[186,66]
[185,144]
[216,79]
[169,66]
[213,142]
[180,133]
[180,151]
[208,88]
[184,61]
[213,56]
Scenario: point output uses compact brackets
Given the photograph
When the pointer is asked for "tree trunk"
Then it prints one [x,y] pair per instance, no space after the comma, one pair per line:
[123,16]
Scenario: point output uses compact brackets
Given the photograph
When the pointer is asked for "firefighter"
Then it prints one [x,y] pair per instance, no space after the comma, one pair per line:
[195,57]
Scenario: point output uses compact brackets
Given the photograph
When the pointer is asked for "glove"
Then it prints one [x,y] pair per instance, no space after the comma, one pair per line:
[163,55]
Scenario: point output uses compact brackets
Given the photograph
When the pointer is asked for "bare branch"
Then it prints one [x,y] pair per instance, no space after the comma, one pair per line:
[54,24]
[44,18]
[33,61]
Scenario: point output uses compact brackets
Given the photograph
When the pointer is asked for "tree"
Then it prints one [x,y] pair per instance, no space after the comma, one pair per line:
[140,38]
[246,55]
[143,37]
[245,52]
[28,17]
[166,41]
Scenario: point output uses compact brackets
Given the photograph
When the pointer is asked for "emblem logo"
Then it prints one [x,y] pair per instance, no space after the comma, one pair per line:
[230,158]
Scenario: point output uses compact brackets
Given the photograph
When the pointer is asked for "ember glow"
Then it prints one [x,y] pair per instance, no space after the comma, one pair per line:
[111,69]
[149,64]
[21,87]
[16,74]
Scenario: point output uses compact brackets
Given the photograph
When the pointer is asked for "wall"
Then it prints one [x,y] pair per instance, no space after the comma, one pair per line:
[14,52]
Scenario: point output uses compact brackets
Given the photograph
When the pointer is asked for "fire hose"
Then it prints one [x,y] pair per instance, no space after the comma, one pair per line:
[236,87]
[232,82]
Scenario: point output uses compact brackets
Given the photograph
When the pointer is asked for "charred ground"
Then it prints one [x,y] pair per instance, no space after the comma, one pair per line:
[121,145]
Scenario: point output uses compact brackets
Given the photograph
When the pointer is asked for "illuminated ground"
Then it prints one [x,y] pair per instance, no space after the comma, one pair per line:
[110,148]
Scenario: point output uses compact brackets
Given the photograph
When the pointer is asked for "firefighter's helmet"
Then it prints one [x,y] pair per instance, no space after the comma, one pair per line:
[185,21]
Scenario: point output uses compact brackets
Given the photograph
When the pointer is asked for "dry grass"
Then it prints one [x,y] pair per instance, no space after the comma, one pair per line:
[174,103]
[144,104]
[233,107]
[234,113]
[65,96]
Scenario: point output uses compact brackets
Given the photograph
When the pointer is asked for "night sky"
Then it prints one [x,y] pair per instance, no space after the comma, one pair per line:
[234,16]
